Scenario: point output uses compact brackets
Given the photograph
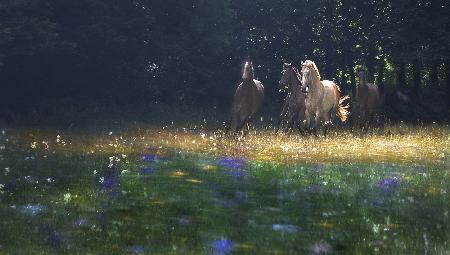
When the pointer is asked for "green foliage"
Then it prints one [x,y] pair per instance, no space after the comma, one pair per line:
[189,52]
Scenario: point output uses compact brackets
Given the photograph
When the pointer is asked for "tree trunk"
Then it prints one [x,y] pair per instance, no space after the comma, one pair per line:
[447,80]
[370,62]
[417,67]
[433,80]
[380,76]
[352,73]
[343,81]
[400,75]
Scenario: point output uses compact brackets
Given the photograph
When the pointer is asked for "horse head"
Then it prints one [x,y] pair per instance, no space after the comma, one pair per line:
[247,71]
[285,74]
[309,74]
[362,77]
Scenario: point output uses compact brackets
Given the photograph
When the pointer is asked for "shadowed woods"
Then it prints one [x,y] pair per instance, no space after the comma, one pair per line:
[147,60]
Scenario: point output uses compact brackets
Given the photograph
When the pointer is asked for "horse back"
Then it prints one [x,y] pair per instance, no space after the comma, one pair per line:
[248,95]
[334,92]
[259,88]
[373,97]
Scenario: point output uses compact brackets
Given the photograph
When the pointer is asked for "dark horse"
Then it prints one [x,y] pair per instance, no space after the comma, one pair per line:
[293,112]
[247,99]
[368,103]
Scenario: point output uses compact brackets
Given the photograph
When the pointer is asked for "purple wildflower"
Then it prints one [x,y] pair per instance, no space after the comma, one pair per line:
[237,173]
[52,237]
[388,184]
[240,195]
[147,170]
[222,246]
[80,223]
[149,158]
[31,209]
[320,247]
[110,180]
[232,163]
[285,228]
[137,249]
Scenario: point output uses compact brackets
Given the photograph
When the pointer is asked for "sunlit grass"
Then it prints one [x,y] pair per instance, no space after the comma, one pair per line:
[398,144]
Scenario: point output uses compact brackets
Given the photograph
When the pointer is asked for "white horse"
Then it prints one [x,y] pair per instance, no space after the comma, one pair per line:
[323,98]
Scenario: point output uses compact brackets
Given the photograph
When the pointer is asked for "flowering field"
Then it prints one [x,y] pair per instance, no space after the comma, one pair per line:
[190,191]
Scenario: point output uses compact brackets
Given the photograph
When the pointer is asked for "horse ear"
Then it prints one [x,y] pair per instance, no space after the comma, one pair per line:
[301,63]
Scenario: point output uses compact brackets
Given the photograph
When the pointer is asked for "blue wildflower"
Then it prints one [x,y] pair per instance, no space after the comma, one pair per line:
[53,237]
[320,247]
[237,173]
[222,246]
[240,195]
[137,249]
[388,184]
[149,158]
[110,179]
[147,170]
[232,163]
[31,209]
[31,179]
[80,222]
[285,228]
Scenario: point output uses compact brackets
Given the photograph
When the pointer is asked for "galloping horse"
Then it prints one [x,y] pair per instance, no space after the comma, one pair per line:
[247,99]
[368,102]
[294,103]
[323,98]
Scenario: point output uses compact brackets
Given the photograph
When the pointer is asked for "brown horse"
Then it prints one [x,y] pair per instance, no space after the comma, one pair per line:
[368,103]
[322,99]
[293,112]
[247,100]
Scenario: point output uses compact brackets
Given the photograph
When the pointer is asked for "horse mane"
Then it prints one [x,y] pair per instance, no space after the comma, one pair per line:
[297,73]
[311,64]
[248,65]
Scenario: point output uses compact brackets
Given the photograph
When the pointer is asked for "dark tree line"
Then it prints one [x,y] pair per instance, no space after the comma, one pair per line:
[54,54]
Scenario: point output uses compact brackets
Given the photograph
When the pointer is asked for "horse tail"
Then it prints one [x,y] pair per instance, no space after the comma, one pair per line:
[341,109]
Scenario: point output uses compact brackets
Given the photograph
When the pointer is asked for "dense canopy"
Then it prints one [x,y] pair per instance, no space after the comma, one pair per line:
[137,54]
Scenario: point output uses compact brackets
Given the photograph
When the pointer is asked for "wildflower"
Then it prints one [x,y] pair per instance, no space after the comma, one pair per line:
[288,228]
[388,184]
[31,209]
[137,249]
[320,247]
[147,170]
[222,246]
[149,158]
[233,163]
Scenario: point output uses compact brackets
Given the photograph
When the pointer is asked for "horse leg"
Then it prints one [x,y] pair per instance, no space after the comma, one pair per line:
[326,117]
[301,118]
[248,123]
[233,127]
[316,123]
[282,123]
[288,121]
[308,121]
[282,117]
[242,122]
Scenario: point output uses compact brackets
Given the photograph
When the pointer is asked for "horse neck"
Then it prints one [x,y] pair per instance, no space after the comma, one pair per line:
[248,83]
[316,86]
[362,88]
[295,86]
